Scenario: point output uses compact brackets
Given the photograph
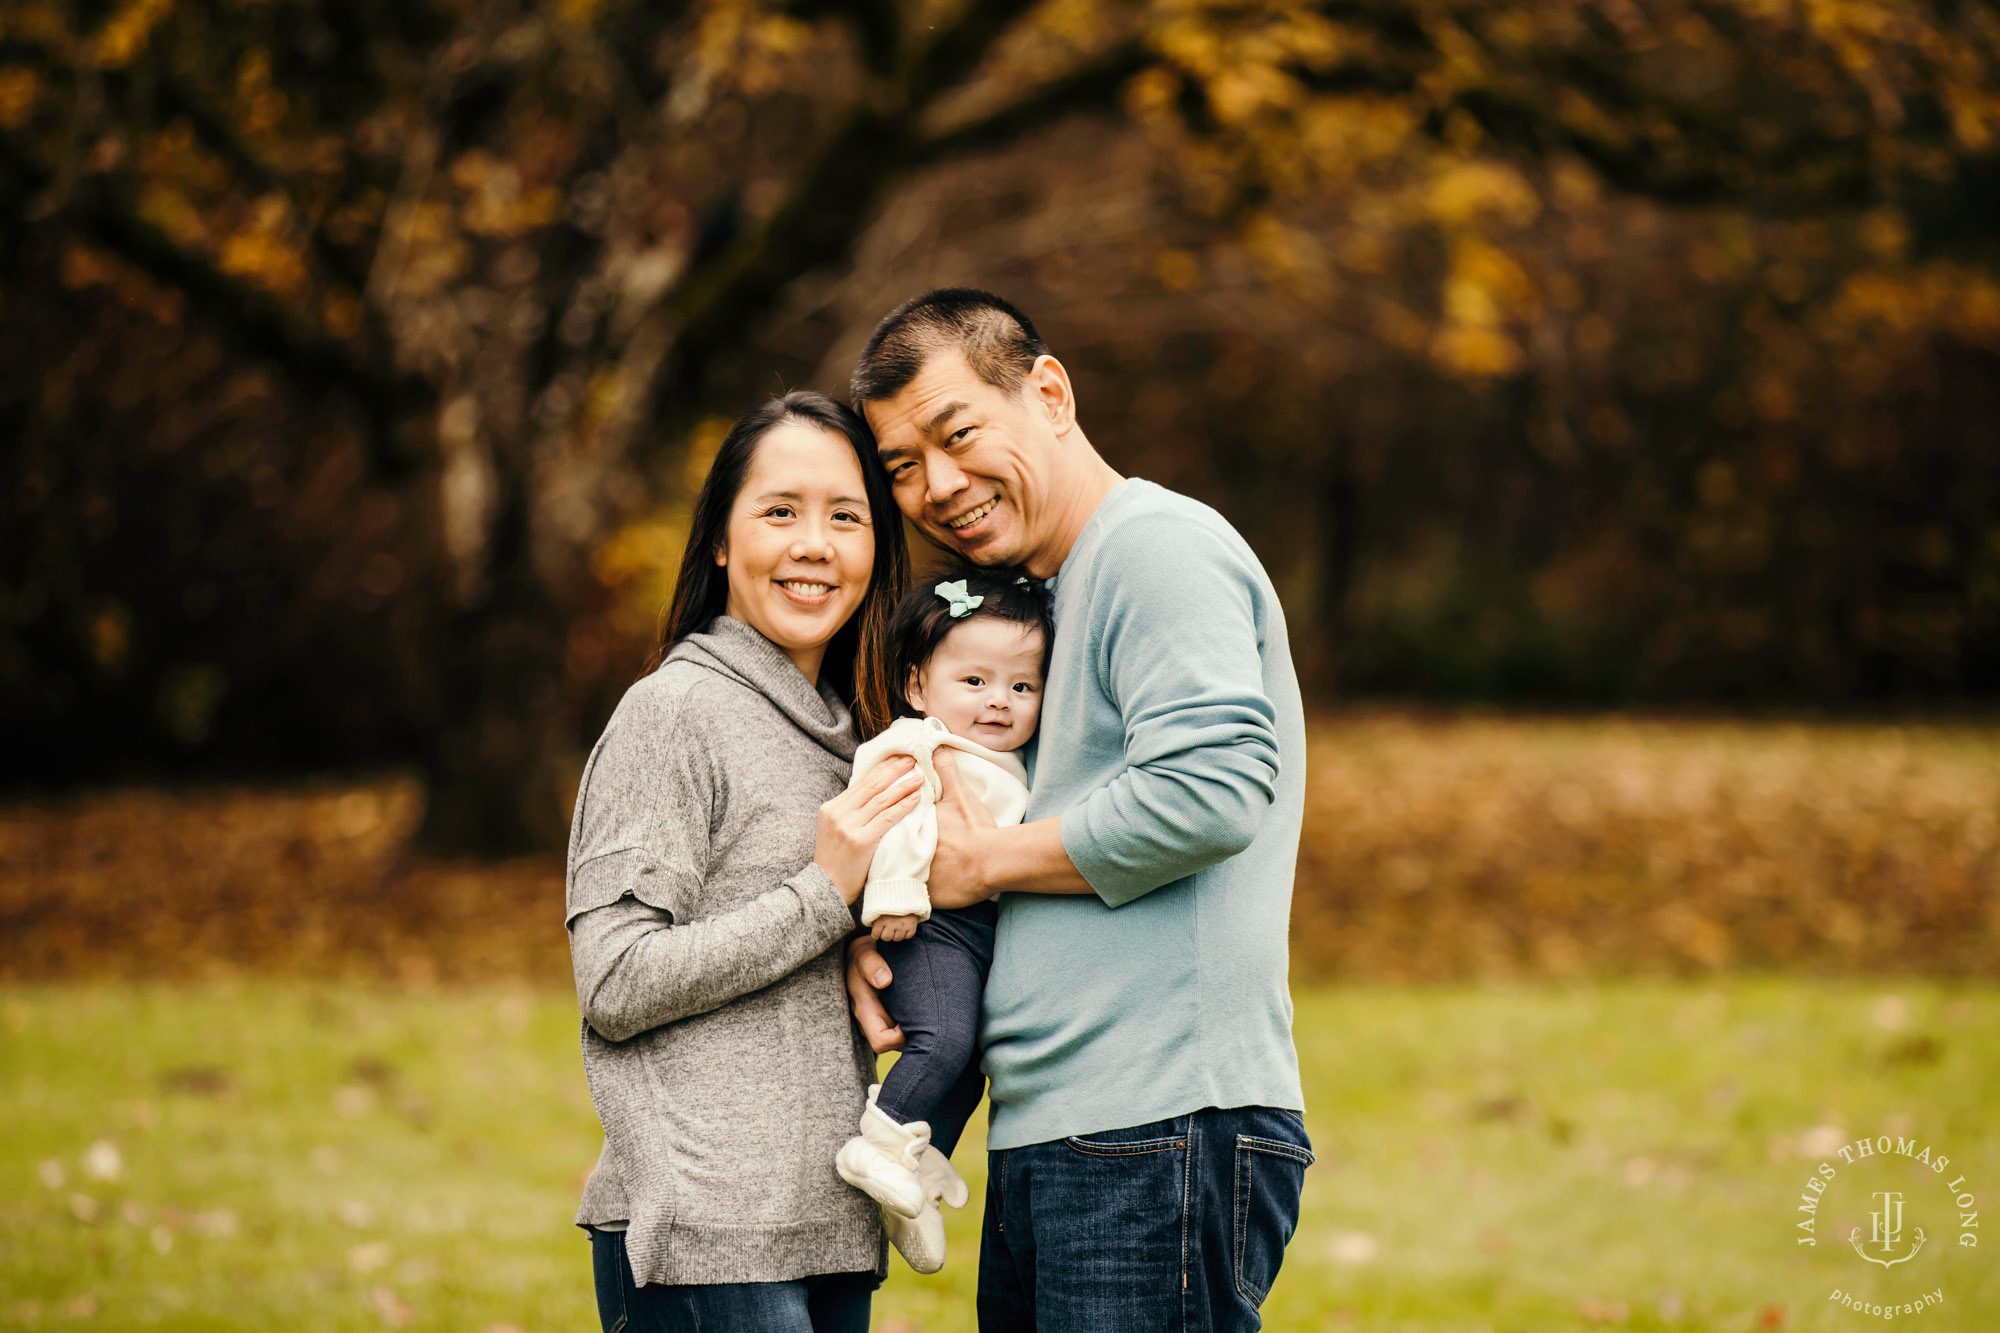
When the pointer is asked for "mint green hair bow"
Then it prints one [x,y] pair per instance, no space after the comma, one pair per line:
[954,592]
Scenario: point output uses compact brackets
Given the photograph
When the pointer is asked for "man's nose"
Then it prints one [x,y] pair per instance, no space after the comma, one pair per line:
[942,479]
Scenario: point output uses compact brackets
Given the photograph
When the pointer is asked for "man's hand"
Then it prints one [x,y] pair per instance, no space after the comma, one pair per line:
[964,829]
[866,974]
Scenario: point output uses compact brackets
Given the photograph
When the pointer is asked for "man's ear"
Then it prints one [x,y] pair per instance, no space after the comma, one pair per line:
[913,689]
[1048,388]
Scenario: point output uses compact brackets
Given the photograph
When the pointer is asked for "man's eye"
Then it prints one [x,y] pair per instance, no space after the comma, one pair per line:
[901,470]
[959,434]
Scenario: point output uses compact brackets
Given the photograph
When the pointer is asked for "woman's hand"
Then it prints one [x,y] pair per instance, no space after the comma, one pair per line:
[853,822]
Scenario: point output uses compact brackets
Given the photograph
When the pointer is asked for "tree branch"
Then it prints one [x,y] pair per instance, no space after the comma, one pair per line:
[832,199]
[214,130]
[1092,86]
[254,322]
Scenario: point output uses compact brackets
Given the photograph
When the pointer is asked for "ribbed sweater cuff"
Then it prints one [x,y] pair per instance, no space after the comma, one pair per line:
[895,897]
[827,913]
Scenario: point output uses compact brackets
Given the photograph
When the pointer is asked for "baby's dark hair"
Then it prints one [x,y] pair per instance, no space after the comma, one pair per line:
[923,618]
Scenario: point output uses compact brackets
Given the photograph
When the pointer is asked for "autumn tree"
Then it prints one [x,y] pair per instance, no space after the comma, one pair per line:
[519,260]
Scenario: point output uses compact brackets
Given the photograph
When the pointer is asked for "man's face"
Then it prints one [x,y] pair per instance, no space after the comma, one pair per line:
[971,466]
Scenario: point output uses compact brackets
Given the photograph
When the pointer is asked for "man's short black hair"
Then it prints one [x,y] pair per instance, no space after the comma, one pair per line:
[999,342]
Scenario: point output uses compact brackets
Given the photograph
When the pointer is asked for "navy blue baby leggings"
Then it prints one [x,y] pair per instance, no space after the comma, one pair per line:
[939,977]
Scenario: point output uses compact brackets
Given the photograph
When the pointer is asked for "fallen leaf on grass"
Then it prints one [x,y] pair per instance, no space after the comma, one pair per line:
[367,1258]
[1352,1247]
[390,1306]
[103,1161]
[214,1222]
[1771,1316]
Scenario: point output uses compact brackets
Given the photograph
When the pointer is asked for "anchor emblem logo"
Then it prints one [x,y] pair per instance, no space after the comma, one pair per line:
[1887,1230]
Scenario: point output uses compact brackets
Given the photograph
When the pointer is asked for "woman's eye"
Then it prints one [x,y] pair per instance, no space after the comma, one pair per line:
[847,516]
[781,511]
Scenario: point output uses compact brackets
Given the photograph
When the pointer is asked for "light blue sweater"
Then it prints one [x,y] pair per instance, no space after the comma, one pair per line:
[1172,743]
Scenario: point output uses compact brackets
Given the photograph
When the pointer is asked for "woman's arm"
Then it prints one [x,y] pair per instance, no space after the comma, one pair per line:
[636,969]
[641,953]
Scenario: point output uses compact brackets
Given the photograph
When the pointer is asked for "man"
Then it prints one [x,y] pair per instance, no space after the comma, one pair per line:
[1147,1146]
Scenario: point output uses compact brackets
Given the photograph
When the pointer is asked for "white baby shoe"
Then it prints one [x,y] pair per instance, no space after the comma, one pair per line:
[883,1160]
[919,1239]
[941,1179]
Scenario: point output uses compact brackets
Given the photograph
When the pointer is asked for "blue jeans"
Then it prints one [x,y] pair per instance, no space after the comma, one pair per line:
[830,1303]
[1174,1227]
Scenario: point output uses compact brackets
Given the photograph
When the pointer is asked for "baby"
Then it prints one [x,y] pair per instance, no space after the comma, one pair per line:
[968,655]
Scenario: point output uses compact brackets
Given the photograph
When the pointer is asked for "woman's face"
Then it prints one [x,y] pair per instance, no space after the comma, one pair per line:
[801,541]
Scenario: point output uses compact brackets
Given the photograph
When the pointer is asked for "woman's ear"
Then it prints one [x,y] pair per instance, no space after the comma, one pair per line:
[913,689]
[721,554]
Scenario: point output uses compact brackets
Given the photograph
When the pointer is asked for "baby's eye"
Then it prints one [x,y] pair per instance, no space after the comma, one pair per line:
[1024,687]
[974,681]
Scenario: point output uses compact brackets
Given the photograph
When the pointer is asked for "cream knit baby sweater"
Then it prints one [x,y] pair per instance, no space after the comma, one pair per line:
[899,876]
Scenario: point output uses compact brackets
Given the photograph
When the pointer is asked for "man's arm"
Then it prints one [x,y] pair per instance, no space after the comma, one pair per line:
[1178,650]
[1176,629]
[974,859]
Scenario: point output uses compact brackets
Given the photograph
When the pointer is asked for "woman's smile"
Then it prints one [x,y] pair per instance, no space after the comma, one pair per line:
[807,592]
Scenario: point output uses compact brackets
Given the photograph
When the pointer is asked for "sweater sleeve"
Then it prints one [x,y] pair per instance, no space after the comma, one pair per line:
[638,850]
[1178,650]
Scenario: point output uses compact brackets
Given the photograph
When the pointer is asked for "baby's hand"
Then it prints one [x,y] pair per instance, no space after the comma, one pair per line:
[899,927]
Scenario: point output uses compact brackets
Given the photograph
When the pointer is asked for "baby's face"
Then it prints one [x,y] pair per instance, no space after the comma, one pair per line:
[984,682]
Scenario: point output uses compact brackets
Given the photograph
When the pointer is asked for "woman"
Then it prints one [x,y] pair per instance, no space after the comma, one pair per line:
[713,861]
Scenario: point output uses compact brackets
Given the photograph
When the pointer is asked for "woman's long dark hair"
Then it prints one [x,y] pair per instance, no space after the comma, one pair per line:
[857,652]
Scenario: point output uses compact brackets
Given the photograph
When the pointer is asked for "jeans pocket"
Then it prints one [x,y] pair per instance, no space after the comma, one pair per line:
[1270,1176]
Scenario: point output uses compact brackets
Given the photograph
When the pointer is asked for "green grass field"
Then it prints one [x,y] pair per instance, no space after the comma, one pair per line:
[289,1155]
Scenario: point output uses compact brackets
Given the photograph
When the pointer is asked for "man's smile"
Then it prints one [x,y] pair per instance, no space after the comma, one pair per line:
[971,516]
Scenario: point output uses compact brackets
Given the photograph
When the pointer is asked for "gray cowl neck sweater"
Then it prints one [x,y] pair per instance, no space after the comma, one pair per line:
[706,947]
